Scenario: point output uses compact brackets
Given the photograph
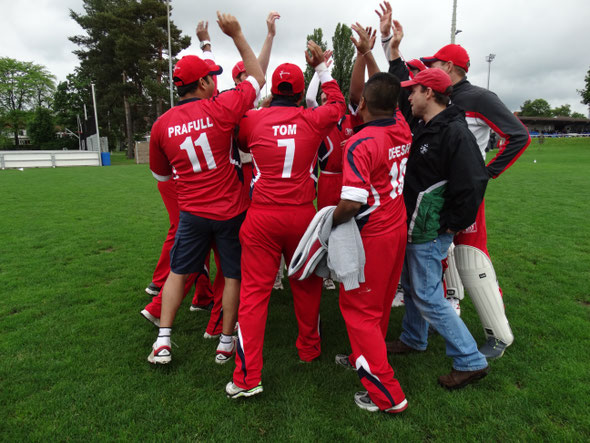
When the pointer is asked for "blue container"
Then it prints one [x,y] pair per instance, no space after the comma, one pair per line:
[105,158]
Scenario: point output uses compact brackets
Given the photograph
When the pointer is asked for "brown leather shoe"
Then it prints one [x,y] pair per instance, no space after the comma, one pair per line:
[459,379]
[399,347]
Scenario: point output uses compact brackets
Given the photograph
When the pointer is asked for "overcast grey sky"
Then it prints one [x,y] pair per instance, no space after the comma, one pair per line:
[541,46]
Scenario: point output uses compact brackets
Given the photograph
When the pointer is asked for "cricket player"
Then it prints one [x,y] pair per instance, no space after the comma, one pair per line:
[284,140]
[194,139]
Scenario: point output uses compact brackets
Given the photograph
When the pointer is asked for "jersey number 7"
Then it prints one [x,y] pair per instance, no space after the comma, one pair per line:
[289,144]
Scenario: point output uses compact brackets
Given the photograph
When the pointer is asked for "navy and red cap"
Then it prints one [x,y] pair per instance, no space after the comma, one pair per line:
[450,53]
[416,64]
[288,73]
[434,78]
[238,69]
[191,68]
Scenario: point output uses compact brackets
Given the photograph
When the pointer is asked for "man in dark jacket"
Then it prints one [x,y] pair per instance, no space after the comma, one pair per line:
[444,186]
[471,265]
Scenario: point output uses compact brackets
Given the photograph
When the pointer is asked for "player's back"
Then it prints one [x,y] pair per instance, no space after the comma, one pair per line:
[376,158]
[284,142]
[194,137]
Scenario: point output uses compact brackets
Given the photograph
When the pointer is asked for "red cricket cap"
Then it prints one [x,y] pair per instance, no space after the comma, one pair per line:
[434,78]
[416,64]
[191,68]
[288,73]
[450,53]
[238,69]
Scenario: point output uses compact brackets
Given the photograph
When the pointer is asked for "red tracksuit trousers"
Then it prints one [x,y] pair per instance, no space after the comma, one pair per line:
[268,232]
[366,314]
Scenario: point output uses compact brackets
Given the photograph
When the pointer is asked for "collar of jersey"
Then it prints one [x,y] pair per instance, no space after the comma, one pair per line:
[277,100]
[379,123]
[187,100]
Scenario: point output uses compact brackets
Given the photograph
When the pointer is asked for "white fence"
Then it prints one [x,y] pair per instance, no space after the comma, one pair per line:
[48,159]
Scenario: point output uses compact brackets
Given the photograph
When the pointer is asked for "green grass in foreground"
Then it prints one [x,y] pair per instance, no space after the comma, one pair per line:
[78,245]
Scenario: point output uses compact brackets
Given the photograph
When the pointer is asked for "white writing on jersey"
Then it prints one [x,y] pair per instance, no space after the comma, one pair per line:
[285,130]
[398,151]
[195,125]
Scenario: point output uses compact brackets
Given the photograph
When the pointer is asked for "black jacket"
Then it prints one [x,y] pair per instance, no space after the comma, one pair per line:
[445,177]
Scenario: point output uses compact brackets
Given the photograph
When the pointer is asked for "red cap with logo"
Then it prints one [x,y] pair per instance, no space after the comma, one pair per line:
[191,68]
[238,69]
[434,78]
[450,53]
[288,73]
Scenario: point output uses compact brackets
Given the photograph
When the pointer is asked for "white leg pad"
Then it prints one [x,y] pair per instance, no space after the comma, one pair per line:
[478,275]
[452,279]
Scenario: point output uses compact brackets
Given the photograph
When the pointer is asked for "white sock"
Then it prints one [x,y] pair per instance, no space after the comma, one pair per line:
[225,342]
[163,337]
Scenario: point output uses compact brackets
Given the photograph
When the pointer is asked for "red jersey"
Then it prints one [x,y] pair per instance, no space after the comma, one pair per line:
[284,141]
[330,154]
[374,167]
[194,140]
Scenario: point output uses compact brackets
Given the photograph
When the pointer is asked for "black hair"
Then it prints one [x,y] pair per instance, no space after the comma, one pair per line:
[286,92]
[191,87]
[381,93]
[441,99]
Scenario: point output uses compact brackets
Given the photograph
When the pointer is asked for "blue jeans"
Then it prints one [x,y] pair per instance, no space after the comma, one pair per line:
[425,304]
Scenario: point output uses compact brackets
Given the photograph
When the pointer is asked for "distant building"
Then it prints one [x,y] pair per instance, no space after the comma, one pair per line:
[558,126]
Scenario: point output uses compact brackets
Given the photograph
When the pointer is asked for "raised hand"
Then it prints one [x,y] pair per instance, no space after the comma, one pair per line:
[328,57]
[314,54]
[270,22]
[229,24]
[385,18]
[203,31]
[398,35]
[366,38]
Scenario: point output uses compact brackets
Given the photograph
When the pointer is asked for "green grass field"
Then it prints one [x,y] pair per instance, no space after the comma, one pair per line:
[78,246]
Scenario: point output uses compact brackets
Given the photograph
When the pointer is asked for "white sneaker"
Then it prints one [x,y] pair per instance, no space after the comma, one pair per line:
[329,284]
[363,401]
[233,391]
[208,336]
[150,317]
[455,303]
[398,300]
[160,356]
[225,351]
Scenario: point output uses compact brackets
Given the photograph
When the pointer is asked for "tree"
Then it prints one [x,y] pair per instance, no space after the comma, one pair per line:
[536,108]
[24,86]
[577,115]
[585,93]
[344,52]
[69,99]
[122,53]
[41,127]
[562,111]
[317,36]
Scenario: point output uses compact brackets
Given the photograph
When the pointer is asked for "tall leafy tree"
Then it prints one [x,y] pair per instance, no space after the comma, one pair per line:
[122,53]
[536,108]
[577,115]
[41,127]
[585,93]
[69,99]
[24,86]
[344,52]
[562,111]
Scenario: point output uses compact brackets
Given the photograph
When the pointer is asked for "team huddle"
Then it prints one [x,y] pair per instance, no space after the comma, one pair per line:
[399,201]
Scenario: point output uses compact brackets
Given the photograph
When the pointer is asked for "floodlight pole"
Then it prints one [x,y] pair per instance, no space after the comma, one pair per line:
[490,58]
[454,30]
[96,123]
[169,54]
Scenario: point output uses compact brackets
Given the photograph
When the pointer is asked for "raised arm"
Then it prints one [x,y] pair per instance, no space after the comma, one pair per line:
[231,27]
[364,45]
[204,38]
[264,56]
[385,26]
[314,84]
